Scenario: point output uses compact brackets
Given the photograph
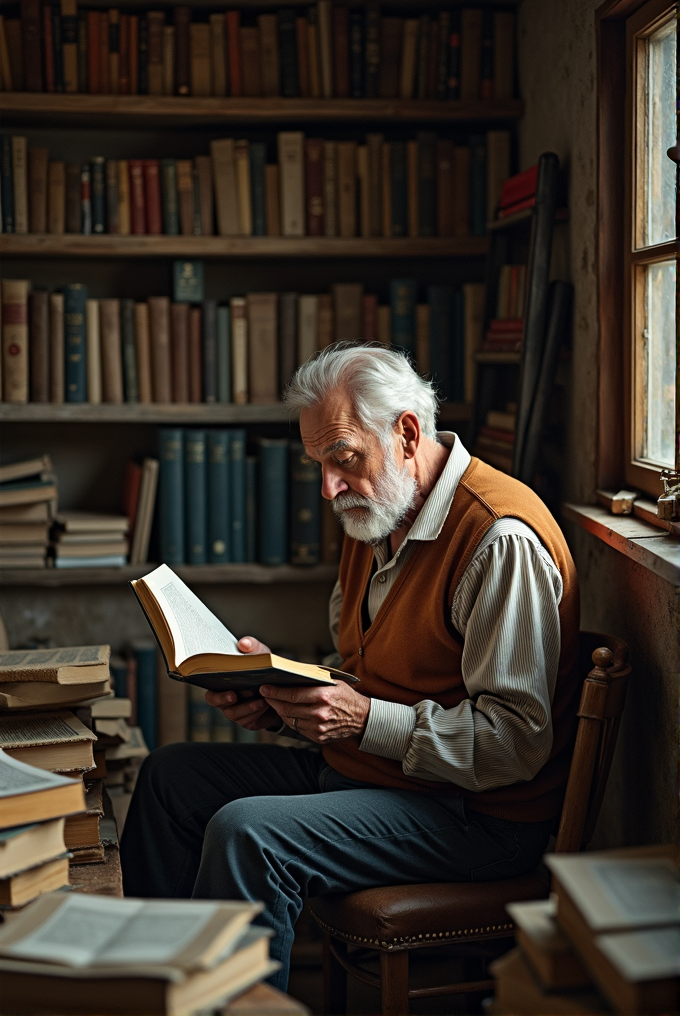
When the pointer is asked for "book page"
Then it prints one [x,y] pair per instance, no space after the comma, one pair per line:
[88,930]
[18,778]
[639,889]
[194,628]
[73,656]
[643,955]
[50,728]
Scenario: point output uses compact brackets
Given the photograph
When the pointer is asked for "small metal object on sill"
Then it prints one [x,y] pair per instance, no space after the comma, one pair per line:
[620,503]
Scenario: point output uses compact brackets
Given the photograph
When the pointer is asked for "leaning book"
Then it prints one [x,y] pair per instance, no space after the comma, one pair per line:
[199,649]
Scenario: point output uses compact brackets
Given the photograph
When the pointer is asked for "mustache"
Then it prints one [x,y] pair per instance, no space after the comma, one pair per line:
[342,502]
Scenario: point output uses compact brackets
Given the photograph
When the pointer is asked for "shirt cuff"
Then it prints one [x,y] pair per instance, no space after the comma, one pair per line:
[389,729]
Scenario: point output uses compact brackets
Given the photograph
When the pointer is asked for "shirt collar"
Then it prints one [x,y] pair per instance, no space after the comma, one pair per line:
[432,516]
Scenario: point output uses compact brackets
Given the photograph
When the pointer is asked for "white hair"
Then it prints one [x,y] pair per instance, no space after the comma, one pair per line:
[380,382]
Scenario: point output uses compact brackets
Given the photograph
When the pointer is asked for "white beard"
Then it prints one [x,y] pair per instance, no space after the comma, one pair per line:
[395,496]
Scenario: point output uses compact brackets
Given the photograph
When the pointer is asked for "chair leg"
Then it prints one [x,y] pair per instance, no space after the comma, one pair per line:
[334,980]
[394,983]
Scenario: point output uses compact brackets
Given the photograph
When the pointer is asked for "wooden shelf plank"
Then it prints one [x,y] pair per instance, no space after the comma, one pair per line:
[19,107]
[222,574]
[561,215]
[40,245]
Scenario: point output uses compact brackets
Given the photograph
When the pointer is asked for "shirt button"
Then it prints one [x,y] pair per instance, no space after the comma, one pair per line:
[382,578]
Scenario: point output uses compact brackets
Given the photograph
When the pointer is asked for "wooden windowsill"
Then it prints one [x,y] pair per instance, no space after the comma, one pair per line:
[650,546]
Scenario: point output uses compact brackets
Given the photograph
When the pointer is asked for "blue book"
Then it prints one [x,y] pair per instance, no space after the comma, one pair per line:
[147,697]
[305,507]
[171,495]
[98,184]
[258,158]
[447,343]
[119,670]
[399,187]
[403,298]
[75,349]
[7,185]
[195,497]
[209,317]
[129,350]
[223,354]
[218,496]
[272,477]
[251,509]
[478,185]
[237,491]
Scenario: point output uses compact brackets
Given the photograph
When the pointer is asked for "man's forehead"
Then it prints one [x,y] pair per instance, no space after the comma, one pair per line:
[325,436]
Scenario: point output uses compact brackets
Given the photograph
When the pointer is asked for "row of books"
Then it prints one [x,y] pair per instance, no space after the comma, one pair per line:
[496,439]
[427,186]
[65,347]
[329,51]
[28,504]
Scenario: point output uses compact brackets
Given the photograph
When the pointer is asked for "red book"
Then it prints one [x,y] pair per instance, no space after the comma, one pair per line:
[519,187]
[303,56]
[131,485]
[314,186]
[341,51]
[48,47]
[124,55]
[497,434]
[93,82]
[369,308]
[152,196]
[520,206]
[234,51]
[506,325]
[137,203]
[134,54]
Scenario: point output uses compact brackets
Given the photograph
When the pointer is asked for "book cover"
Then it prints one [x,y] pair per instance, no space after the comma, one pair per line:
[114,51]
[199,52]
[129,350]
[460,212]
[159,331]
[195,354]
[224,176]
[171,494]
[85,199]
[39,346]
[7,191]
[244,196]
[203,172]
[239,349]
[12,28]
[486,59]
[290,84]
[93,77]
[143,349]
[356,55]
[374,144]
[179,345]
[262,309]
[185,196]
[143,56]
[412,186]
[497,168]
[347,311]
[57,353]
[20,182]
[98,194]
[209,364]
[403,299]
[453,82]
[124,54]
[137,198]
[447,353]
[147,696]
[37,189]
[195,491]
[442,73]
[372,49]
[181,17]
[503,55]
[362,180]
[72,209]
[291,179]
[272,200]
[251,72]
[423,338]
[56,197]
[169,196]
[347,188]
[155,21]
[218,523]
[313,56]
[305,507]
[287,338]
[302,43]
[251,509]
[112,360]
[237,494]
[223,355]
[93,351]
[314,189]
[233,20]
[104,68]
[330,188]
[391,31]
[111,195]
[218,54]
[152,197]
[272,484]
[427,190]
[75,297]
[187,279]
[30,36]
[325,321]
[444,186]
[409,56]
[258,158]
[308,322]
[341,51]
[124,220]
[325,44]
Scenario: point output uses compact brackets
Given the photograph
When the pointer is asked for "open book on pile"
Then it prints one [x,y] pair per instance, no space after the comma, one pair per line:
[197,647]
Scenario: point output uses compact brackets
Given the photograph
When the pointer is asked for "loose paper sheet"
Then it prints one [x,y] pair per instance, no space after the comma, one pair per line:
[18,778]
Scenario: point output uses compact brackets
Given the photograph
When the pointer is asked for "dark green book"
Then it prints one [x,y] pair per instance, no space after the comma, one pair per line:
[403,298]
[272,484]
[427,187]
[169,197]
[187,281]
[195,491]
[223,355]
[237,495]
[128,346]
[75,349]
[258,156]
[7,185]
[288,57]
[209,317]
[98,185]
[305,507]
[447,346]
[356,55]
[251,509]
[399,187]
[478,185]
[171,494]
[218,496]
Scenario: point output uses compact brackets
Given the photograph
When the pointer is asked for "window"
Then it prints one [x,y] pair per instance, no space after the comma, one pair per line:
[650,243]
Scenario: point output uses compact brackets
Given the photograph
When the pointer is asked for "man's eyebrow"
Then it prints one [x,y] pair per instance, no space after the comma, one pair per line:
[337,446]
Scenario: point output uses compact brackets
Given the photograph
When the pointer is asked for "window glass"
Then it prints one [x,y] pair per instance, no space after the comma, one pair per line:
[656,134]
[658,348]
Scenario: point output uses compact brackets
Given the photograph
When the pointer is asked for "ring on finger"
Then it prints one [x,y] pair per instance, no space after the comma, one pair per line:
[295,723]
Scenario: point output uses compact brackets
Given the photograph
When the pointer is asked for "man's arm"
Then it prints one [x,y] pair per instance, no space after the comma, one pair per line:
[506,607]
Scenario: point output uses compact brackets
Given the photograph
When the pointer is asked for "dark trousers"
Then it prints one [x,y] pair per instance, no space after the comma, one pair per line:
[261,822]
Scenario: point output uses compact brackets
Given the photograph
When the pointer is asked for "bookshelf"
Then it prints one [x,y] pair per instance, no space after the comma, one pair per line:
[214,574]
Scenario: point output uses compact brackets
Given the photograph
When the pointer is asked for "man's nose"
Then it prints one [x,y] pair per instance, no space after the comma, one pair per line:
[332,483]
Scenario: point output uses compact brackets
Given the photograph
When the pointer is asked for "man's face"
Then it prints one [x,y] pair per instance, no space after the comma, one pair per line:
[370,490]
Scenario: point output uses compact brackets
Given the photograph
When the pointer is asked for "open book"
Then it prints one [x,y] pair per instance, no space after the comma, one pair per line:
[197,647]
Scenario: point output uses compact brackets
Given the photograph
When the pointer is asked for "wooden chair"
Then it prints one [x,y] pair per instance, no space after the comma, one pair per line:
[394,920]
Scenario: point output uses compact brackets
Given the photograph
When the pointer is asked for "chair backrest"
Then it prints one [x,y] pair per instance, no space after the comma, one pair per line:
[602,701]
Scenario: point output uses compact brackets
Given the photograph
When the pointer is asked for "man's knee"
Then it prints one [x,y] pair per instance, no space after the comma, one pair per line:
[241,827]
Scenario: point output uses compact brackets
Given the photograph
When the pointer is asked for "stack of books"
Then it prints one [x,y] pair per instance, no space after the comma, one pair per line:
[45,722]
[496,438]
[34,806]
[28,498]
[328,52]
[89,540]
[608,937]
[504,333]
[139,501]
[124,749]
[518,193]
[80,953]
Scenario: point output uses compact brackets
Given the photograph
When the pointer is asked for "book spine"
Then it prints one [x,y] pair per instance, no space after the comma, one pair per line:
[143,348]
[323,8]
[179,343]
[305,507]
[93,77]
[290,84]
[423,338]
[258,155]
[203,173]
[251,509]
[57,354]
[104,66]
[169,194]
[93,346]
[478,185]
[182,23]
[7,192]
[237,495]
[386,189]
[262,313]
[185,196]
[273,501]
[453,82]
[341,51]
[412,186]
[112,357]
[372,49]
[302,43]
[30,37]
[209,350]
[362,178]
[124,54]
[195,355]
[486,60]
[127,333]
[155,21]
[314,189]
[112,196]
[325,320]
[503,55]
[69,44]
[218,54]
[114,51]
[171,495]
[223,355]
[195,508]
[20,182]
[369,318]
[98,186]
[48,48]
[147,697]
[37,189]
[399,188]
[15,340]
[374,143]
[245,200]
[57,51]
[39,346]
[239,350]
[330,187]
[313,57]
[152,197]
[73,210]
[159,322]
[444,187]
[423,43]
[251,77]
[137,203]
[142,56]
[56,197]
[391,31]
[75,298]
[409,56]
[291,171]
[427,193]
[287,337]
[403,298]
[199,47]
[85,199]
[218,496]
[224,176]
[124,223]
[347,188]
[234,49]
[470,52]
[356,55]
[272,200]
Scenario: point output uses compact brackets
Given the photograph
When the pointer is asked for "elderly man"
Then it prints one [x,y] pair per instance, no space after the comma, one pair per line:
[457,609]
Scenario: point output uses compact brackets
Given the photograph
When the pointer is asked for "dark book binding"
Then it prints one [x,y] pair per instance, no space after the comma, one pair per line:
[85,199]
[179,351]
[486,63]
[57,50]
[372,49]
[128,349]
[182,20]
[427,189]
[272,477]
[169,197]
[75,298]
[195,490]
[314,168]
[403,298]
[7,186]
[453,82]
[112,220]
[98,187]
[73,211]
[399,188]
[210,351]
[39,345]
[290,84]
[171,495]
[251,509]
[258,158]
[152,197]
[478,185]
[356,55]
[341,52]
[31,48]
[443,55]
[218,496]
[223,355]
[48,48]
[305,507]
[237,495]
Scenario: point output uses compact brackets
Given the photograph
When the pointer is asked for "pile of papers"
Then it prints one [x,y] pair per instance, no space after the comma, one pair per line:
[28,501]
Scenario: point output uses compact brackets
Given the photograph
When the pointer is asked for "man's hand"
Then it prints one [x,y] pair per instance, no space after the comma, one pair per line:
[251,713]
[323,714]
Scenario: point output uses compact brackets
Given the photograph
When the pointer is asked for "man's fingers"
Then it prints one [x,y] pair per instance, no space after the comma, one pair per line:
[283,693]
[248,644]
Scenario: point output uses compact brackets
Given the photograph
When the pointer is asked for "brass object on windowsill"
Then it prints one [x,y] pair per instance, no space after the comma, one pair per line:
[668,505]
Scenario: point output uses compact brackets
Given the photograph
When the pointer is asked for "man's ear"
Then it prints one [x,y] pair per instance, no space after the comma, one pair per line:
[408,430]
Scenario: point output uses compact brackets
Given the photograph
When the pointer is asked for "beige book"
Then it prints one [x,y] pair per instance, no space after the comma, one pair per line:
[218,63]
[324,28]
[262,310]
[473,320]
[384,325]
[364,198]
[269,53]
[423,338]
[461,191]
[111,357]
[330,188]
[25,513]
[57,371]
[42,695]
[159,332]
[143,350]
[272,200]
[325,319]
[224,175]
[83,830]
[18,890]
[15,339]
[292,182]
[546,947]
[25,532]
[139,548]
[104,548]
[56,197]
[199,48]
[168,59]
[244,200]
[58,742]
[497,168]
[314,61]
[409,48]
[123,198]
[24,847]
[93,347]
[69,47]
[347,310]
[308,325]
[27,467]
[239,349]
[386,189]
[20,182]
[347,188]
[412,186]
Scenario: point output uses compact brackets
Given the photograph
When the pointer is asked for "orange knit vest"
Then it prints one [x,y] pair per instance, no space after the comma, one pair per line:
[412,652]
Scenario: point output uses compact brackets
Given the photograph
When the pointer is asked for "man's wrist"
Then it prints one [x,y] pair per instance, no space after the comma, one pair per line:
[389,729]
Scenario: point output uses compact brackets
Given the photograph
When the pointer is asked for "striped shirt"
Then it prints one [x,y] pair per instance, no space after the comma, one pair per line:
[506,608]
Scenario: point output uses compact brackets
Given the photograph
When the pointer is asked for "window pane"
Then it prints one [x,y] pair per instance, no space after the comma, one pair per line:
[657,134]
[658,345]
